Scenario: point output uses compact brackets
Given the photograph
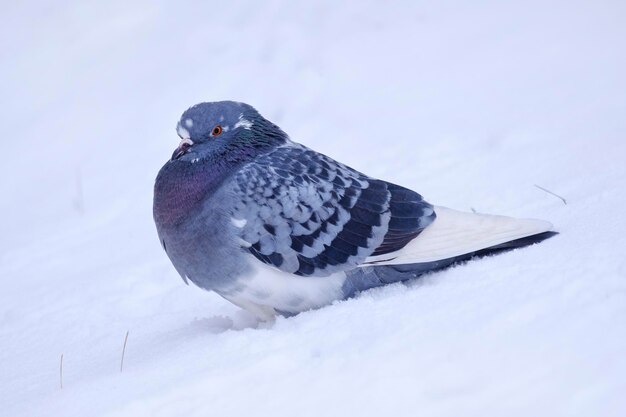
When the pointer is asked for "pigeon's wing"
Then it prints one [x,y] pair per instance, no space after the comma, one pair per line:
[306,214]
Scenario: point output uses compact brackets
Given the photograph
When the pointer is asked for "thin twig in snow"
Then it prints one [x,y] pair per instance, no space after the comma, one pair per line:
[550,192]
[61,372]
[124,351]
[79,202]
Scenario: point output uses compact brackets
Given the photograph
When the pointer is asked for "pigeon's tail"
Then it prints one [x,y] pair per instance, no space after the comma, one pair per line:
[456,233]
[454,237]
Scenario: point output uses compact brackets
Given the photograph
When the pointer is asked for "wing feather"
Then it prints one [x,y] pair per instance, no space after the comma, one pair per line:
[312,216]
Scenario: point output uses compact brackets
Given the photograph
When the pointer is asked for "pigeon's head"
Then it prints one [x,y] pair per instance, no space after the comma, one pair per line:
[224,129]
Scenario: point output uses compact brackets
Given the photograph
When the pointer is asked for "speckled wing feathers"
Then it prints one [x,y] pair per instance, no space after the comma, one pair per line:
[307,214]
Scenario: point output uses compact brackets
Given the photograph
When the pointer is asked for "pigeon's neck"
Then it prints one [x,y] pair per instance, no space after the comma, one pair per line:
[181,187]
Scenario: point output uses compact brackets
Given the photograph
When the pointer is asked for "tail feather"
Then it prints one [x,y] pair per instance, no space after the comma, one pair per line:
[455,233]
[361,279]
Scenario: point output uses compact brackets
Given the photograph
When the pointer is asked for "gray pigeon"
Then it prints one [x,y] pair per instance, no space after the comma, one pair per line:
[277,228]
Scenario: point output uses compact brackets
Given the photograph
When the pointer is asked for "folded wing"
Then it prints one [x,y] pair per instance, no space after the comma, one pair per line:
[306,214]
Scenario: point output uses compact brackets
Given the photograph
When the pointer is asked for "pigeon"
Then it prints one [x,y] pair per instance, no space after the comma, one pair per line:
[277,228]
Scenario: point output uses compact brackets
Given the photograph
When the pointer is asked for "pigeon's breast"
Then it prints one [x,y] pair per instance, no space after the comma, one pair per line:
[179,191]
[192,215]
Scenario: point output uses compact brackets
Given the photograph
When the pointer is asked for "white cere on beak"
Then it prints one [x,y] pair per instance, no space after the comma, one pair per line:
[189,123]
[185,141]
[182,132]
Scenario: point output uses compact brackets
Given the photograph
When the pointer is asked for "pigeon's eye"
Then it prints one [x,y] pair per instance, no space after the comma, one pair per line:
[217,130]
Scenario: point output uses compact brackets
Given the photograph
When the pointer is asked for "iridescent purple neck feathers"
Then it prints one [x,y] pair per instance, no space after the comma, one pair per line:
[180,189]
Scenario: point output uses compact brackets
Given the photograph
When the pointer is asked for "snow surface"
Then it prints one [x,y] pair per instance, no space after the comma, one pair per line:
[469,103]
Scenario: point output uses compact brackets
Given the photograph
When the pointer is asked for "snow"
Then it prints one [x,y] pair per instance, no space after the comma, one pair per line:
[500,96]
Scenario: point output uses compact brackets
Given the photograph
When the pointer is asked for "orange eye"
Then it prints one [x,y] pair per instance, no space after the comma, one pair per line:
[217,130]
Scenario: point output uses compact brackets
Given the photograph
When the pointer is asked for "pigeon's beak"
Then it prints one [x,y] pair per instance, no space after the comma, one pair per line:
[182,149]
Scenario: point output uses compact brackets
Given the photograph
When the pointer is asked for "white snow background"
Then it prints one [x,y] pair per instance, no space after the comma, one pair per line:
[469,103]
